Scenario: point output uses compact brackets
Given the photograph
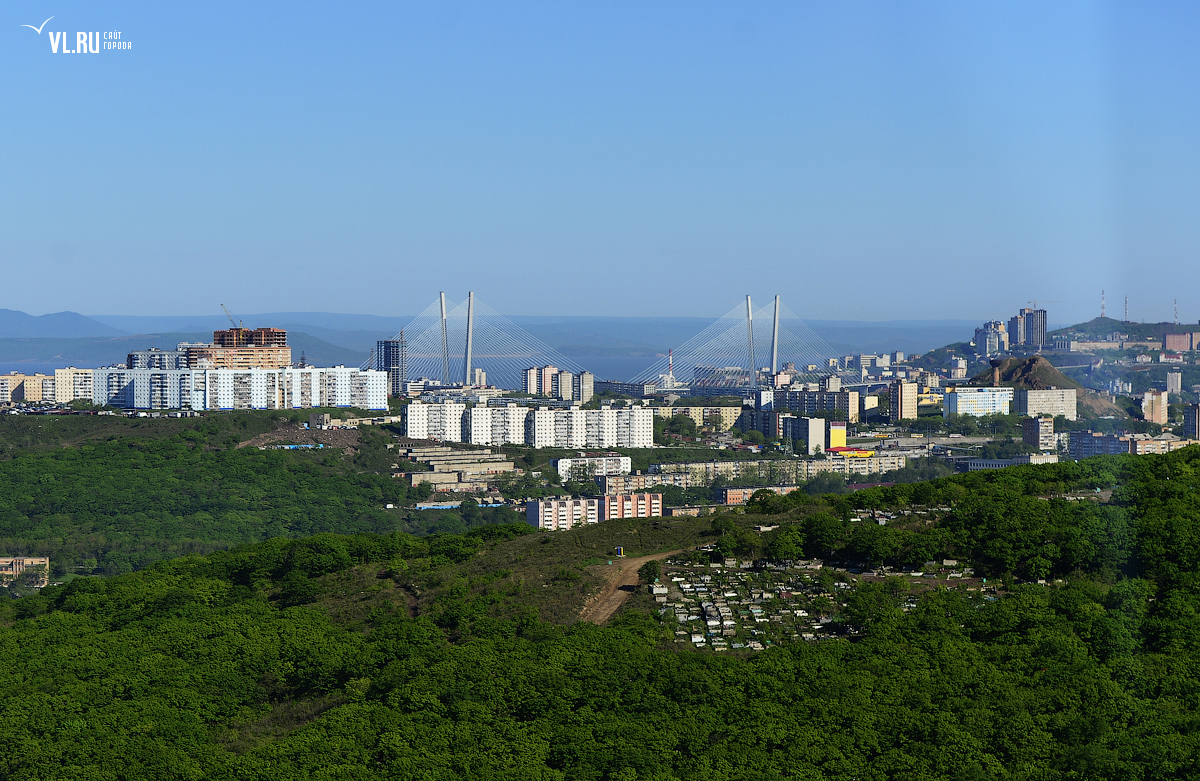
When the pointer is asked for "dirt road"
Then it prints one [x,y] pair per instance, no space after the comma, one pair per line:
[620,581]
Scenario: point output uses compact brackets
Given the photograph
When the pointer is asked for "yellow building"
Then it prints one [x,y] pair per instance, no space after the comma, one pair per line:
[837,433]
[719,418]
[71,383]
[26,387]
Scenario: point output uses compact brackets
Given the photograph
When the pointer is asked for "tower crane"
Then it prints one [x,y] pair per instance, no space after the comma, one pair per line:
[1037,301]
[233,322]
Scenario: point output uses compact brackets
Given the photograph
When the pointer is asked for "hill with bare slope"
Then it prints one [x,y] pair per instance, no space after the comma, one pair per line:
[1036,373]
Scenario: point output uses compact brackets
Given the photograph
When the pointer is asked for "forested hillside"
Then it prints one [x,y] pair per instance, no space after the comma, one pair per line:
[389,656]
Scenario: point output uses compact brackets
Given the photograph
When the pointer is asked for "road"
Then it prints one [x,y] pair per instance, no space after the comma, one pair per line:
[621,579]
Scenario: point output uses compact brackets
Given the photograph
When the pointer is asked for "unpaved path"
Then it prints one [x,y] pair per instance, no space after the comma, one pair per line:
[619,575]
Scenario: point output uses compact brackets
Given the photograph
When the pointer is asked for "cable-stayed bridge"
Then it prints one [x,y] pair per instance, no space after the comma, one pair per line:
[745,347]
[448,341]
[742,349]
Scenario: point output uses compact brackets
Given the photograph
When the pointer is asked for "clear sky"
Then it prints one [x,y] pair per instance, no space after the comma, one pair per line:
[898,160]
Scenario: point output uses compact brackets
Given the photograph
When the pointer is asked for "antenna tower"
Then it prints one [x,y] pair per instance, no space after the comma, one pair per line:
[1127,309]
[1177,311]
[1101,303]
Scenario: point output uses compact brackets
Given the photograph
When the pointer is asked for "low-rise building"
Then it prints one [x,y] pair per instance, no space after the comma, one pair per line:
[12,567]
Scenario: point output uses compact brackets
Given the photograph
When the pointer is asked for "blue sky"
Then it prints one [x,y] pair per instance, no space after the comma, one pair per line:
[900,160]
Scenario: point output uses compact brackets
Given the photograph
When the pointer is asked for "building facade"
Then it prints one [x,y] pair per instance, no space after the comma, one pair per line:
[228,389]
[591,465]
[1052,402]
[1155,406]
[902,401]
[71,384]
[1039,432]
[631,506]
[573,427]
[977,402]
[561,514]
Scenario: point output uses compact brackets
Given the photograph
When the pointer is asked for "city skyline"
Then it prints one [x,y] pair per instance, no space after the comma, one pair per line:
[968,158]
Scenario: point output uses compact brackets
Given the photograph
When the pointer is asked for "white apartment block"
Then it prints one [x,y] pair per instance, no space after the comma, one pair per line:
[562,514]
[593,465]
[631,427]
[977,402]
[1052,402]
[230,389]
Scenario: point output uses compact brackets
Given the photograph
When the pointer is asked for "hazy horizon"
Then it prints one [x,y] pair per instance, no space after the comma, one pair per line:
[928,160]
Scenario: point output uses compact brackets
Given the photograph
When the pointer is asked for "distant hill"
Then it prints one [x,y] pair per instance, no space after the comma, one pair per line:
[60,325]
[1102,326]
[1037,373]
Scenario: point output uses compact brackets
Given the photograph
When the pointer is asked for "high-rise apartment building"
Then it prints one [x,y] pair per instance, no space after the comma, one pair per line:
[992,338]
[1154,406]
[1039,432]
[1191,422]
[1174,382]
[1030,324]
[391,356]
[71,384]
[902,401]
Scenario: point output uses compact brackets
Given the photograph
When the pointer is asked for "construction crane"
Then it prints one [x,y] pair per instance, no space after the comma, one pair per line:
[233,322]
[1037,301]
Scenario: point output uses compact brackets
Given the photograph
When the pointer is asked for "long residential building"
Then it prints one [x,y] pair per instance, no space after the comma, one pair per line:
[230,389]
[781,471]
[1050,401]
[560,513]
[592,465]
[977,402]
[720,418]
[26,387]
[627,484]
[573,427]
[1085,444]
[807,403]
